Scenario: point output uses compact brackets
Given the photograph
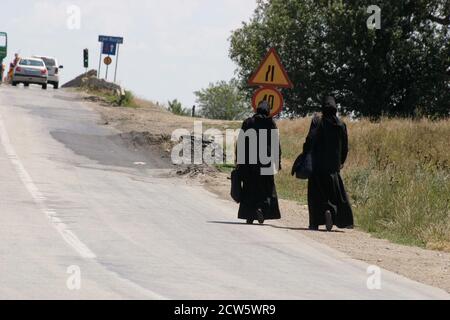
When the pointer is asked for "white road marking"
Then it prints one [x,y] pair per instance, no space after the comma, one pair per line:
[40,200]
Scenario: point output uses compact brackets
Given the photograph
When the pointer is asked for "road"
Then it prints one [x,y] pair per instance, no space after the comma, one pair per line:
[74,197]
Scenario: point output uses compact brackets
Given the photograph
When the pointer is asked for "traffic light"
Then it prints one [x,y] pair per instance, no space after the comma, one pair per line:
[86,58]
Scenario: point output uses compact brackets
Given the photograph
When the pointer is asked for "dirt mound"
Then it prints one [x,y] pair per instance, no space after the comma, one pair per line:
[78,81]
[90,81]
[93,83]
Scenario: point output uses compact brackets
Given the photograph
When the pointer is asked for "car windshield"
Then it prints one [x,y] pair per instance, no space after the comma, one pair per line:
[49,62]
[33,63]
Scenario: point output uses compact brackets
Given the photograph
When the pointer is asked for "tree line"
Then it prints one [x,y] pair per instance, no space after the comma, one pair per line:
[398,69]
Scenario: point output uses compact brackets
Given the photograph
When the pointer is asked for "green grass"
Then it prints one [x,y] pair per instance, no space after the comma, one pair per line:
[405,207]
[128,100]
[397,174]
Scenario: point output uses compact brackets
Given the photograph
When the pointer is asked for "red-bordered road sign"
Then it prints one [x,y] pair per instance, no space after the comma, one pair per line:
[273,98]
[271,72]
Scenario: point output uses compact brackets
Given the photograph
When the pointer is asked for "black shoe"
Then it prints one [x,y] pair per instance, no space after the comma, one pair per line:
[314,228]
[250,221]
[260,216]
[328,220]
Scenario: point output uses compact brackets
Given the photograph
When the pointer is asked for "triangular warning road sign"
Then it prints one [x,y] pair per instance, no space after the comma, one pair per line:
[271,73]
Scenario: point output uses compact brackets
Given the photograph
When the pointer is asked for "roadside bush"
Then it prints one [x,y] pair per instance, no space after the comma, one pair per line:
[223,101]
[128,99]
[176,108]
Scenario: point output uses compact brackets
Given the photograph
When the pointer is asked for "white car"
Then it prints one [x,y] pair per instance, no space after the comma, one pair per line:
[53,70]
[30,71]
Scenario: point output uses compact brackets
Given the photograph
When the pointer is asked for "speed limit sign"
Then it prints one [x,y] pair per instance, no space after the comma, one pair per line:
[107,61]
[273,98]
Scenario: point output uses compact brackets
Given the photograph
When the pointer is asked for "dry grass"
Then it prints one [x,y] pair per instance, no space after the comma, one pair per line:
[398,176]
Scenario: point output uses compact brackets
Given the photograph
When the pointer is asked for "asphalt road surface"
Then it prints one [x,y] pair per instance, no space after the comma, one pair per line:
[82,216]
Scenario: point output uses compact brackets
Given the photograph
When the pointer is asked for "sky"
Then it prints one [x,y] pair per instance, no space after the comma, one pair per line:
[171,47]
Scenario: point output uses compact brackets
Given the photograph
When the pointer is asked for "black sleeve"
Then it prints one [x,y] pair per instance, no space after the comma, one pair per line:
[307,147]
[274,126]
[241,136]
[344,145]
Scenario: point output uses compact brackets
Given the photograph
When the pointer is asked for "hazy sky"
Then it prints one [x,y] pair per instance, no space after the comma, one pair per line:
[172,47]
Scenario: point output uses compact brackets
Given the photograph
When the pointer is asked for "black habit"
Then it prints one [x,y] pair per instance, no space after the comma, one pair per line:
[259,191]
[328,141]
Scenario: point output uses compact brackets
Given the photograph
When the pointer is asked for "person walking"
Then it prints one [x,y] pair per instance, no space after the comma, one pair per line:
[2,71]
[327,141]
[259,200]
[12,65]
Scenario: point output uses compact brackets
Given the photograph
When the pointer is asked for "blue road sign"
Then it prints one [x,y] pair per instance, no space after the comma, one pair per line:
[109,48]
[116,40]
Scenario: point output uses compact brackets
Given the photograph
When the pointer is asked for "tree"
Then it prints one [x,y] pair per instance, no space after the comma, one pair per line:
[327,47]
[176,108]
[223,100]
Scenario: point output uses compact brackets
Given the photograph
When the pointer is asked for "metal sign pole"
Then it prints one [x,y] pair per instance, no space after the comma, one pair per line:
[110,46]
[117,62]
[107,68]
[100,60]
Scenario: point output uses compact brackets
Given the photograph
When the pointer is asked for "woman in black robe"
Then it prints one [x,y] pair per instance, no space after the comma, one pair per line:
[259,200]
[328,141]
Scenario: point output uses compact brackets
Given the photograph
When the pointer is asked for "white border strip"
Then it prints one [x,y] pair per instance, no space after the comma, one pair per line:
[40,200]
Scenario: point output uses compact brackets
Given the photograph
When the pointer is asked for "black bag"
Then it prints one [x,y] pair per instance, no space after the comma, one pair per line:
[303,166]
[236,185]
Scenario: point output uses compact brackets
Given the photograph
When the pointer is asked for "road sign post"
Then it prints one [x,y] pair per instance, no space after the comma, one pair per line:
[269,76]
[100,62]
[107,68]
[117,62]
[107,61]
[110,46]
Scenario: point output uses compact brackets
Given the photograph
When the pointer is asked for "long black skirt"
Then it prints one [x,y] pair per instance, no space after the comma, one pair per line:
[259,192]
[327,192]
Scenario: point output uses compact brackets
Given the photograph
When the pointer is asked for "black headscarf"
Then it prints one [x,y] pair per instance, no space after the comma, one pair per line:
[329,110]
[263,109]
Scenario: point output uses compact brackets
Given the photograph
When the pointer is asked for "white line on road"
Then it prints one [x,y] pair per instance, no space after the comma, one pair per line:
[40,199]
